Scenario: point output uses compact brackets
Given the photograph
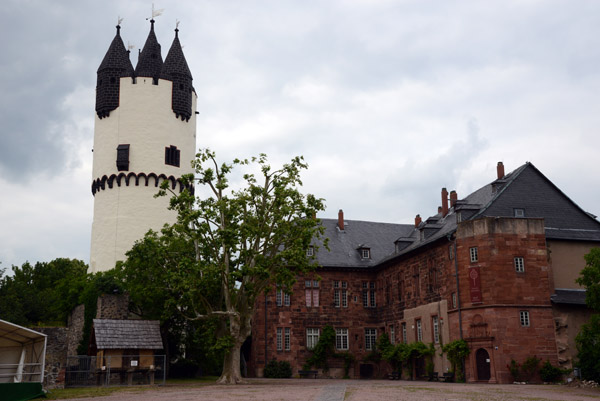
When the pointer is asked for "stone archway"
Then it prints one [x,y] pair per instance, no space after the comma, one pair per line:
[482,360]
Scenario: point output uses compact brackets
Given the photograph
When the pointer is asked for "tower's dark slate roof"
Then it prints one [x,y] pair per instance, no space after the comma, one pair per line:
[117,57]
[175,63]
[150,61]
[127,334]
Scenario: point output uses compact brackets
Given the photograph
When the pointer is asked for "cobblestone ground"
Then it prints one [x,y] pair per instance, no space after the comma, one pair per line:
[354,390]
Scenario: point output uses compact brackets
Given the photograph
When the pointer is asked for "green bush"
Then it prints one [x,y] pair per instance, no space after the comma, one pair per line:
[515,370]
[530,368]
[278,370]
[552,374]
[588,349]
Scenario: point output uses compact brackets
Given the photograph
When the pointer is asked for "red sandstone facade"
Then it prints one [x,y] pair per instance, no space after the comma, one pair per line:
[500,303]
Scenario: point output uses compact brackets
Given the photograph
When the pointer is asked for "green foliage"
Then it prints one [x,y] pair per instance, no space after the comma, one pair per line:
[552,374]
[588,339]
[348,361]
[589,277]
[278,370]
[530,368]
[588,349]
[323,350]
[42,294]
[231,245]
[456,351]
[515,370]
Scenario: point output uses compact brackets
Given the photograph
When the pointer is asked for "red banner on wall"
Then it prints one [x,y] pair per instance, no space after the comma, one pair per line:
[475,284]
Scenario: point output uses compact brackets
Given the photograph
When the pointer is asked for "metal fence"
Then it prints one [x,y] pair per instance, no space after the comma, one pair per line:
[114,370]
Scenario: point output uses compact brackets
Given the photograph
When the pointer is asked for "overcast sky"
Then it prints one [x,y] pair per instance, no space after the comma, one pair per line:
[388,101]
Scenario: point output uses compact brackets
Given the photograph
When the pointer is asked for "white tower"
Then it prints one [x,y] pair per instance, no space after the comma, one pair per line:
[145,133]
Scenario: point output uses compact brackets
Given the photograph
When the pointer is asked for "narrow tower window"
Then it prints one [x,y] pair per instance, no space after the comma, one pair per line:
[172,156]
[123,157]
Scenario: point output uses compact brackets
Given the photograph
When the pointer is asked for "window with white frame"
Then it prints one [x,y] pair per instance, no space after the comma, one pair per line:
[312,337]
[310,251]
[281,298]
[336,294]
[287,338]
[519,264]
[369,300]
[311,293]
[344,294]
[436,329]
[419,330]
[474,254]
[370,338]
[365,253]
[404,332]
[519,212]
[279,339]
[524,317]
[341,339]
[392,335]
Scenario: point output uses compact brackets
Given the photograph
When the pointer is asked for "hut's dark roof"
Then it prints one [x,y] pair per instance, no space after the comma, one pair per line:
[127,334]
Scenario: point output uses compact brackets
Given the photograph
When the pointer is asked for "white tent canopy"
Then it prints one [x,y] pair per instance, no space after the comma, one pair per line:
[22,354]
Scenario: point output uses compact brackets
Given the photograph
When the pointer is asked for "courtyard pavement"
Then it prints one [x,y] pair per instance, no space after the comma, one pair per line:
[353,390]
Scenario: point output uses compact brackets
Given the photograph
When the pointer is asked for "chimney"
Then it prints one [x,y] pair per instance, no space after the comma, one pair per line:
[444,202]
[500,169]
[439,209]
[453,198]
[341,220]
[417,220]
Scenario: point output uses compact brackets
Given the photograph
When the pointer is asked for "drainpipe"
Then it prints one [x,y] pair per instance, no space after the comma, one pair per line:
[457,286]
[266,358]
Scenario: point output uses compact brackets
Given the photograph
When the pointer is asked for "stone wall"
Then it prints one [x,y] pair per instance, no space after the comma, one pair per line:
[113,307]
[75,333]
[56,356]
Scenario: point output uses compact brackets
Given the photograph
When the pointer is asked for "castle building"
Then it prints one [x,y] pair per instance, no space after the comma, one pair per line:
[496,268]
[145,133]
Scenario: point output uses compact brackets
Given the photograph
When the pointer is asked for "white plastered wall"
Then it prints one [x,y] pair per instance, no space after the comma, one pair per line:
[145,121]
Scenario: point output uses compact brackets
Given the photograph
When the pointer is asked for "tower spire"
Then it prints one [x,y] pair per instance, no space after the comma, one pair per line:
[176,70]
[150,60]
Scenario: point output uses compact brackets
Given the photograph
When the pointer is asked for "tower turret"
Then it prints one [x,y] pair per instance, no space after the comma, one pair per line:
[150,60]
[115,65]
[176,70]
[138,144]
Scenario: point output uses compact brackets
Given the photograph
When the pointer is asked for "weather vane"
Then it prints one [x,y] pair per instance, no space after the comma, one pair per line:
[130,46]
[119,20]
[155,13]
[177,23]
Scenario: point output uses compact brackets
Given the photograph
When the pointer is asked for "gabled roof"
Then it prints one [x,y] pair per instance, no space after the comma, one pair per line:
[127,334]
[345,244]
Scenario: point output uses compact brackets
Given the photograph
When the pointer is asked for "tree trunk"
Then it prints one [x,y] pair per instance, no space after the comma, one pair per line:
[231,366]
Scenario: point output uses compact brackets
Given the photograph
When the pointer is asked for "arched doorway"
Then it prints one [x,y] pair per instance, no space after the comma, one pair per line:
[482,358]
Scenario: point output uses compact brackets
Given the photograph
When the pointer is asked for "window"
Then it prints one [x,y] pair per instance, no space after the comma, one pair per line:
[404,338]
[524,316]
[369,294]
[344,294]
[311,293]
[341,339]
[436,329]
[365,253]
[370,338]
[474,255]
[419,330]
[312,338]
[279,339]
[310,251]
[392,335]
[281,298]
[287,339]
[336,294]
[172,155]
[519,212]
[453,300]
[123,157]
[519,264]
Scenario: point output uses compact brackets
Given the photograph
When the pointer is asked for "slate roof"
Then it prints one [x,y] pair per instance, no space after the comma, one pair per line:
[344,245]
[524,188]
[117,57]
[175,63]
[127,334]
[150,61]
[568,296]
